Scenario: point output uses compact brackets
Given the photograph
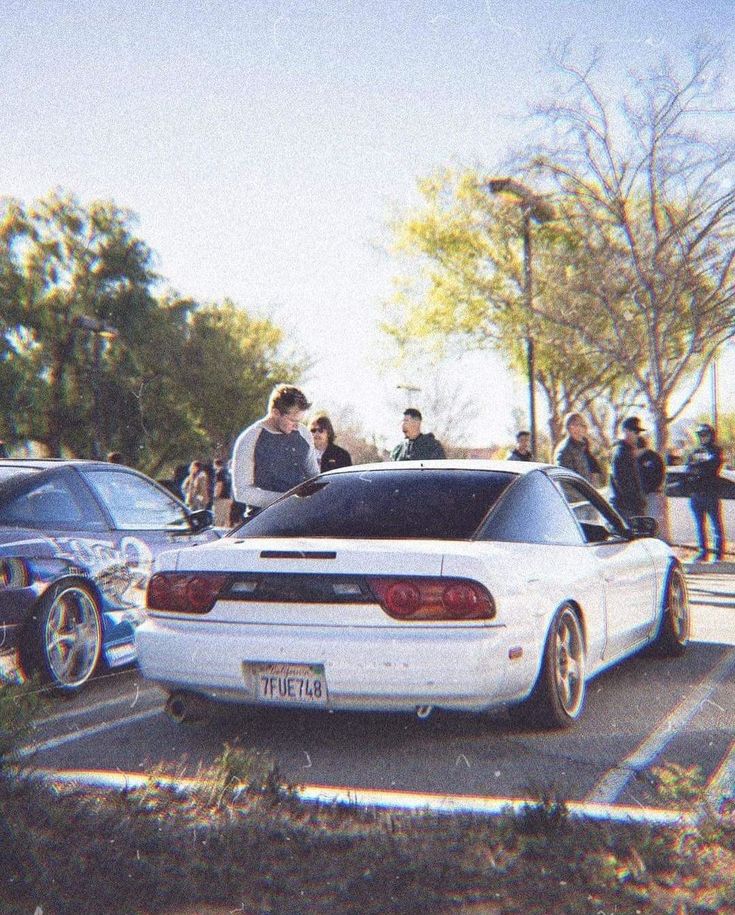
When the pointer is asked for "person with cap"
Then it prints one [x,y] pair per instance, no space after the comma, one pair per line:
[703,469]
[626,493]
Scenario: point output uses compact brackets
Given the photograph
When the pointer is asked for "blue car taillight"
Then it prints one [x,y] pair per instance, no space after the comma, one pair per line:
[14,573]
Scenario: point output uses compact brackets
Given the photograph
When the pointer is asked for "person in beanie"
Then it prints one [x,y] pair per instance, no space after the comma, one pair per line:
[626,492]
[703,469]
[417,445]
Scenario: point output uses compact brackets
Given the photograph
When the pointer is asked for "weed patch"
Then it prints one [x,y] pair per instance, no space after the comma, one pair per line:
[158,851]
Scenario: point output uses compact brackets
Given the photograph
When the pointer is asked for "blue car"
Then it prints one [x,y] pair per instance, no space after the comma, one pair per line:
[77,539]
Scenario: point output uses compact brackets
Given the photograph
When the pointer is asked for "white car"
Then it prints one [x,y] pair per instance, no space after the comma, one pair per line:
[410,586]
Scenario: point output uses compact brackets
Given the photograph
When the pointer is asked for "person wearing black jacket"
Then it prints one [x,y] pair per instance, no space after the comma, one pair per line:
[330,455]
[626,493]
[417,445]
[522,450]
[652,471]
[703,469]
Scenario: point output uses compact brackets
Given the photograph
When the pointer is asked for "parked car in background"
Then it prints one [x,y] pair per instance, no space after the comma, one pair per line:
[681,519]
[403,587]
[77,539]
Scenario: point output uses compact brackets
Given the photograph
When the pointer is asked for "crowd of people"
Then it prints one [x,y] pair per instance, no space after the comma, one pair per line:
[281,450]
[638,474]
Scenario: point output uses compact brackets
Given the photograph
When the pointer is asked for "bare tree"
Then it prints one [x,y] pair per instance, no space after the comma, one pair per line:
[646,190]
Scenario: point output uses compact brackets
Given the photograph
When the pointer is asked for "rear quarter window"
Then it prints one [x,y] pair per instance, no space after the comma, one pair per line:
[532,511]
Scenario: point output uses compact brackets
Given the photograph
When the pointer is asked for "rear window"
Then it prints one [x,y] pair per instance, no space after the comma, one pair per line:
[384,504]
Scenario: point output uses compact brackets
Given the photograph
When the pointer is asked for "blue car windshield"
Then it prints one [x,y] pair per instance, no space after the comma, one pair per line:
[433,504]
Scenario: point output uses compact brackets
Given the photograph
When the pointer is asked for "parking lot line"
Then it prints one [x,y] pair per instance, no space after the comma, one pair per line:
[135,697]
[44,745]
[721,784]
[414,801]
[609,788]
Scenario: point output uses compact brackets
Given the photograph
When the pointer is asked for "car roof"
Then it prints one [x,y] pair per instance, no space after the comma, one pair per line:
[516,467]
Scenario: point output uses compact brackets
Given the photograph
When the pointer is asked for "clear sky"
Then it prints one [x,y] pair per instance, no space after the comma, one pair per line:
[266,144]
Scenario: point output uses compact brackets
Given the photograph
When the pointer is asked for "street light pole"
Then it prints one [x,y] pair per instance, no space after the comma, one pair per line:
[530,349]
[539,210]
[409,389]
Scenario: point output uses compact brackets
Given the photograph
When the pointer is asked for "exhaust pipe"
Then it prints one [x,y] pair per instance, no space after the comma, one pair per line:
[424,711]
[182,706]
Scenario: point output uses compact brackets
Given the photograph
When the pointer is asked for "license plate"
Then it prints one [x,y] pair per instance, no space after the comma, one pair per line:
[283,683]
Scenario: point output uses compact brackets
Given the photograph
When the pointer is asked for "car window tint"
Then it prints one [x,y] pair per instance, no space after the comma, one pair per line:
[52,505]
[533,511]
[597,523]
[384,504]
[134,503]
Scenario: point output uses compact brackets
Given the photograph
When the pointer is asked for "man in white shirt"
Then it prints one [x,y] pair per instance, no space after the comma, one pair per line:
[275,454]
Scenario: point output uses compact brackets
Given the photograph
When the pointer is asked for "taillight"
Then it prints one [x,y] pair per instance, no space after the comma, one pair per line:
[184,592]
[433,598]
[14,573]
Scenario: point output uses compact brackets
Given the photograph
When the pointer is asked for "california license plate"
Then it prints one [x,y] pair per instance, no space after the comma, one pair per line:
[297,684]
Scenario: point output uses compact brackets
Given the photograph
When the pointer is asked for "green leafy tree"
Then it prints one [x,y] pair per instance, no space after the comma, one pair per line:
[68,272]
[91,360]
[203,374]
[467,288]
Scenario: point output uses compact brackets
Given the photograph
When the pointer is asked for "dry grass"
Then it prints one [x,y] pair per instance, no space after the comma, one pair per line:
[243,845]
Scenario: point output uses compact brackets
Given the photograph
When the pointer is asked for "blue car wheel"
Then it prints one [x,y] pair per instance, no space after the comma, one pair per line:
[64,642]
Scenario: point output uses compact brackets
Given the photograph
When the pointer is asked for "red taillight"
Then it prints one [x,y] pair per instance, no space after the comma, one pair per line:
[402,599]
[184,592]
[433,598]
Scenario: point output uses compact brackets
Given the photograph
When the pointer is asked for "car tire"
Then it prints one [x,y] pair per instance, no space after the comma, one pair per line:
[64,640]
[673,633]
[558,697]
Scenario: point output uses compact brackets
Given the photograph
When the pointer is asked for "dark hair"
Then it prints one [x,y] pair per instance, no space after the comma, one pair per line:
[323,422]
[115,457]
[285,397]
[413,413]
[523,432]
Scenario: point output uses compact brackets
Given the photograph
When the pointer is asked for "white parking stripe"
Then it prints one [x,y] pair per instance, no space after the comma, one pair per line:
[721,784]
[55,742]
[612,784]
[131,700]
[394,800]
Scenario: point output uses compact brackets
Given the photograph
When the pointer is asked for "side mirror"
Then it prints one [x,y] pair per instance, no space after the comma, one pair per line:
[643,526]
[201,519]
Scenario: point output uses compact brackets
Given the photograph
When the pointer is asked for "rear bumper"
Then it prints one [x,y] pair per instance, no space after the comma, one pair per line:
[366,668]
